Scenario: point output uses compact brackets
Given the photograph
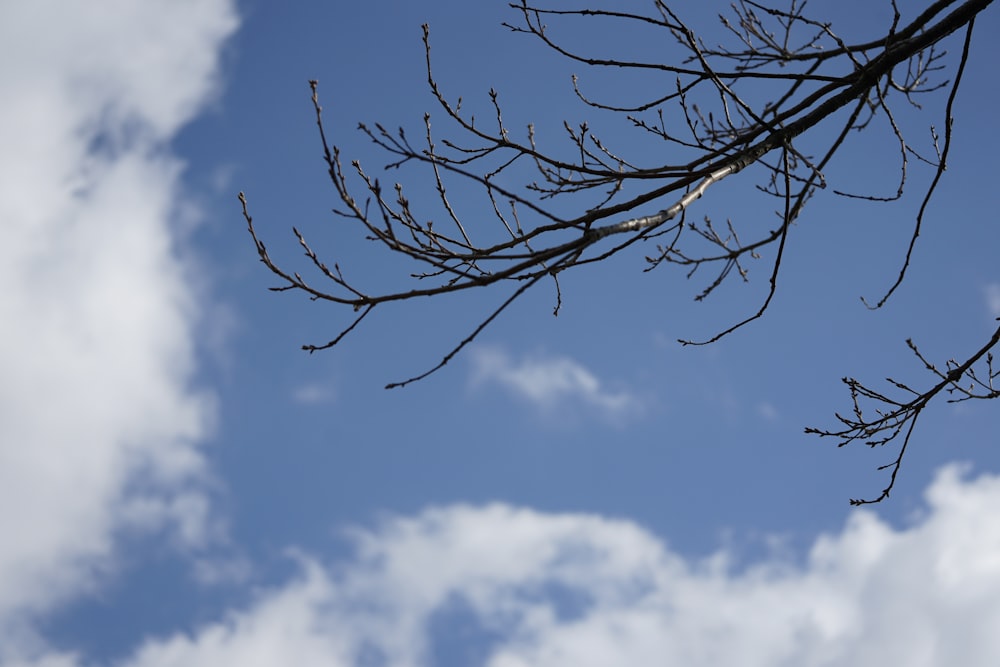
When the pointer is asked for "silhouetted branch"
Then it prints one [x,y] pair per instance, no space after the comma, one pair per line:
[712,127]
[893,416]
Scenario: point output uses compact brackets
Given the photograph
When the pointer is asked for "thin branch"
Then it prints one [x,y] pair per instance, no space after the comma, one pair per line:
[892,416]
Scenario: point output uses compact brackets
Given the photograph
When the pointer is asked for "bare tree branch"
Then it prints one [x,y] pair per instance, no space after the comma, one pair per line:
[712,127]
[893,416]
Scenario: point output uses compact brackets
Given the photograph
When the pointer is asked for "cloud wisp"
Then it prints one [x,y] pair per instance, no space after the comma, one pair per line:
[314,393]
[992,294]
[547,382]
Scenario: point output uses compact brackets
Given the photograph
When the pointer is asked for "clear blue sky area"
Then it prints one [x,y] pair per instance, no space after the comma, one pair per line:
[181,484]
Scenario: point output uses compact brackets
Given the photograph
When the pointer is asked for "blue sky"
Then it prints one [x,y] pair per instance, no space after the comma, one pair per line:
[181,485]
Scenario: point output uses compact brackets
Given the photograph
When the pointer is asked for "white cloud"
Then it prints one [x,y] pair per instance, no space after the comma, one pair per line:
[546,382]
[314,394]
[217,570]
[578,590]
[992,293]
[767,411]
[287,627]
[98,418]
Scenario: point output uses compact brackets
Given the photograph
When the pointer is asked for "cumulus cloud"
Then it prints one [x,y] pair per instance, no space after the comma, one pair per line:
[99,421]
[579,590]
[548,381]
